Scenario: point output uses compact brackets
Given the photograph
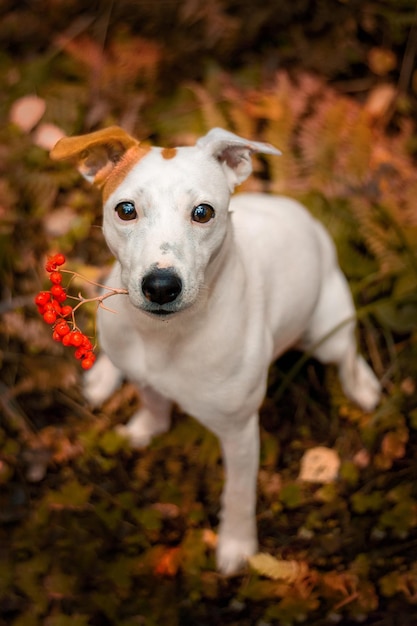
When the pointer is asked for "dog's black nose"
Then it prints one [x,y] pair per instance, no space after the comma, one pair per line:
[161,286]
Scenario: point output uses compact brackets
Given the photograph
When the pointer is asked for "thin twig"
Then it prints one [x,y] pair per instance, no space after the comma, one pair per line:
[93,282]
[113,291]
[353,596]
[407,64]
[98,299]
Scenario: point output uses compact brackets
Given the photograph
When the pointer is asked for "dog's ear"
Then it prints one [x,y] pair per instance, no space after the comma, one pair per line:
[97,153]
[234,153]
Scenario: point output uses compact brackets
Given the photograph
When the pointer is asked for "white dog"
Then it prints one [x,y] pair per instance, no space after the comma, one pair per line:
[218,289]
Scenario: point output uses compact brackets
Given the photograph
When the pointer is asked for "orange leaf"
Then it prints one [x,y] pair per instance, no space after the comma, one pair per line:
[168,564]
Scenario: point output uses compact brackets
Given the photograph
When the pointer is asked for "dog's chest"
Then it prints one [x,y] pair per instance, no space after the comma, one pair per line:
[203,375]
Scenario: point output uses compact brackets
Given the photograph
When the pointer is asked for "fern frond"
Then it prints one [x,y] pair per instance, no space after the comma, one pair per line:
[356,163]
[378,235]
[210,107]
[41,189]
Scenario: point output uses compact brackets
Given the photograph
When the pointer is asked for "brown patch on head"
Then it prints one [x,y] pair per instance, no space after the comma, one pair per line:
[110,181]
[168,153]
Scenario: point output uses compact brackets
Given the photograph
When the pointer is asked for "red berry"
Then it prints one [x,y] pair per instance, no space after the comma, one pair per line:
[56,278]
[86,343]
[54,261]
[62,328]
[66,339]
[80,353]
[59,259]
[56,336]
[76,338]
[59,293]
[50,317]
[56,306]
[50,265]
[87,363]
[42,298]
[66,310]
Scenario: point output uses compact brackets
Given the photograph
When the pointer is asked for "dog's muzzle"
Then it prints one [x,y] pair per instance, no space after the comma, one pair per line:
[161,286]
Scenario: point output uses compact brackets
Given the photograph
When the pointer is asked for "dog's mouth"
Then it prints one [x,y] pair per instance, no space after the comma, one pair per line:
[161,312]
[154,310]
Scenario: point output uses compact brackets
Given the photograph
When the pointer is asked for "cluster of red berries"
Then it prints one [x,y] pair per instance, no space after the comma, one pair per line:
[53,310]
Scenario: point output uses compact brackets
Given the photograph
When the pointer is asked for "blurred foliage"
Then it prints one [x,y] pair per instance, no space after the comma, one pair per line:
[93,533]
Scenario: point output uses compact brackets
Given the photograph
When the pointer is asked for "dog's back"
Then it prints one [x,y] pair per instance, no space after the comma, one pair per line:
[286,253]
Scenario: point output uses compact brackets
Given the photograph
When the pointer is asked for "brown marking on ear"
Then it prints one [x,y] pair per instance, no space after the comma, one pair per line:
[110,181]
[73,147]
[168,153]
[97,153]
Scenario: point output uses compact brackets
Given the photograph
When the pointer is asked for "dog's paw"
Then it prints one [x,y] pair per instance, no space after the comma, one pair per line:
[233,553]
[135,439]
[366,390]
[142,428]
[101,381]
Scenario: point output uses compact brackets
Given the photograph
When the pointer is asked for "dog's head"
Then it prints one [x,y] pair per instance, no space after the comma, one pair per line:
[165,209]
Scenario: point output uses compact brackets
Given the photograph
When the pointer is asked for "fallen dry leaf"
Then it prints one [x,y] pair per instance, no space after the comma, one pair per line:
[362,458]
[381,60]
[46,136]
[169,562]
[27,112]
[277,569]
[319,465]
[167,509]
[380,100]
[393,444]
[210,538]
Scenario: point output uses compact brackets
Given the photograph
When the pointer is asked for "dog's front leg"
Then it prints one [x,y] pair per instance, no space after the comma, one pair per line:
[237,533]
[100,382]
[153,418]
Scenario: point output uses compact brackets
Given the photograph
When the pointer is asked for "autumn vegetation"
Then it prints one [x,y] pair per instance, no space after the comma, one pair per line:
[94,533]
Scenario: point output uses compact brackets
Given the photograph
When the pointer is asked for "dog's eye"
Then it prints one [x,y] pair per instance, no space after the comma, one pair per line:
[126,211]
[202,213]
